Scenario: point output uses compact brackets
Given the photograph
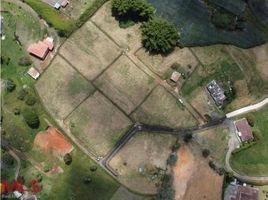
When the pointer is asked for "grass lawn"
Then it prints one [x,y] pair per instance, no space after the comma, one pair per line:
[16,130]
[254,160]
[70,182]
[52,16]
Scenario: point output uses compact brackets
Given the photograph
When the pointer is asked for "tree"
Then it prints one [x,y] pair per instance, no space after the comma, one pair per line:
[166,191]
[31,118]
[187,138]
[172,159]
[159,36]
[93,168]
[10,85]
[205,153]
[31,100]
[132,10]
[25,61]
[67,159]
[87,180]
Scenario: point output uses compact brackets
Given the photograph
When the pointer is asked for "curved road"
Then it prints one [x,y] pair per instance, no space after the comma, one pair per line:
[248,109]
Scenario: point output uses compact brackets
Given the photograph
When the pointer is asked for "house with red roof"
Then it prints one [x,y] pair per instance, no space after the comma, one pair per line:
[243,130]
[41,48]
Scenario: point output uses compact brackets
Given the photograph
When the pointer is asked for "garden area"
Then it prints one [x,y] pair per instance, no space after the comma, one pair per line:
[253,160]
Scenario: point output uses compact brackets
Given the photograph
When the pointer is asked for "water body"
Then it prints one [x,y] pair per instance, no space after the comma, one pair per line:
[192,19]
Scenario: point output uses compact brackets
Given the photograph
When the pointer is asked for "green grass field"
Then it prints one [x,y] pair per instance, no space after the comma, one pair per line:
[16,130]
[52,16]
[254,161]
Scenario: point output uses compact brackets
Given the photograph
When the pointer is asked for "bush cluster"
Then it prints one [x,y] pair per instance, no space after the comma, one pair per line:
[31,118]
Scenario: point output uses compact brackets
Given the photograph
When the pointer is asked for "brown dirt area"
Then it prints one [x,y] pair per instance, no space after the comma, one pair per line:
[89,50]
[148,152]
[98,124]
[53,141]
[61,88]
[193,178]
[126,38]
[123,194]
[125,84]
[161,64]
[161,108]
[260,55]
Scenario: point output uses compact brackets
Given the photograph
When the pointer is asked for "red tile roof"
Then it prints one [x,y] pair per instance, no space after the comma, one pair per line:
[244,129]
[41,48]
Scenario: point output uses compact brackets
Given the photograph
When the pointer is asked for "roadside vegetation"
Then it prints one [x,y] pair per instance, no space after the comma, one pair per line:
[253,159]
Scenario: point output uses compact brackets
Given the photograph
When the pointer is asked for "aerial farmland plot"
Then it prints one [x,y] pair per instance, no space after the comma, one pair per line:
[98,123]
[148,159]
[163,109]
[161,64]
[125,84]
[62,88]
[89,50]
[127,38]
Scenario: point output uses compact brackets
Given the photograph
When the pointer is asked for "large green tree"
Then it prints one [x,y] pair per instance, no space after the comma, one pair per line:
[134,10]
[159,36]
[31,117]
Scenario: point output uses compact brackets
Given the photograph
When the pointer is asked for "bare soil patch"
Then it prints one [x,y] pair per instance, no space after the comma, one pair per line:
[125,84]
[89,50]
[98,123]
[161,108]
[139,162]
[61,88]
[161,64]
[126,38]
[193,178]
[53,141]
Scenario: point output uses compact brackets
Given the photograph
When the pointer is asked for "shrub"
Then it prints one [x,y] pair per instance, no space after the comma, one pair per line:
[31,118]
[46,168]
[25,61]
[7,159]
[22,94]
[187,138]
[132,10]
[175,147]
[5,59]
[205,153]
[172,159]
[31,100]
[17,111]
[10,85]
[67,159]
[87,180]
[166,191]
[159,36]
[93,168]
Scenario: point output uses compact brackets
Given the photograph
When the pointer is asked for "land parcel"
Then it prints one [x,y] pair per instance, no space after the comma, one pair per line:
[62,88]
[89,50]
[143,170]
[125,37]
[161,108]
[125,84]
[98,123]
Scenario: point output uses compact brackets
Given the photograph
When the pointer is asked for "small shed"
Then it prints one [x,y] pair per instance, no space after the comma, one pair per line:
[34,73]
[64,3]
[57,6]
[175,76]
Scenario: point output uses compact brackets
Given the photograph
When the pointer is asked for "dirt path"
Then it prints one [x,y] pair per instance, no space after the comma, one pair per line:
[18,163]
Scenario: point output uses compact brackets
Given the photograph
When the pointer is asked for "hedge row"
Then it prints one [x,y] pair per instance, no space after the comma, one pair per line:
[245,146]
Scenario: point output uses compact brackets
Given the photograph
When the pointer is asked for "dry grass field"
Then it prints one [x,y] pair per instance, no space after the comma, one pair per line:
[193,178]
[138,161]
[216,141]
[201,101]
[98,123]
[260,55]
[161,64]
[125,84]
[123,194]
[62,89]
[161,108]
[89,50]
[126,38]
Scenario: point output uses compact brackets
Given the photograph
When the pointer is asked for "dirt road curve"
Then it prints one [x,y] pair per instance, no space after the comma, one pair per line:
[247,109]
[18,161]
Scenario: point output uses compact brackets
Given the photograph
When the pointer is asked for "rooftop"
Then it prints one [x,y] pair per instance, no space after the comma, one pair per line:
[244,130]
[41,48]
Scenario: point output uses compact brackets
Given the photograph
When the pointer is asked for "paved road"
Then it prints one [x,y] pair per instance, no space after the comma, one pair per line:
[248,109]
[233,143]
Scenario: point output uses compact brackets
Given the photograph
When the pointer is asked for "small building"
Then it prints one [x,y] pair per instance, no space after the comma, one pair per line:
[216,92]
[17,194]
[243,130]
[175,76]
[57,5]
[64,3]
[41,48]
[34,73]
[239,192]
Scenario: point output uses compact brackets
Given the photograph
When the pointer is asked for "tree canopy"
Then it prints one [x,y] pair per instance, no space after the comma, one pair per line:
[31,118]
[135,10]
[159,36]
